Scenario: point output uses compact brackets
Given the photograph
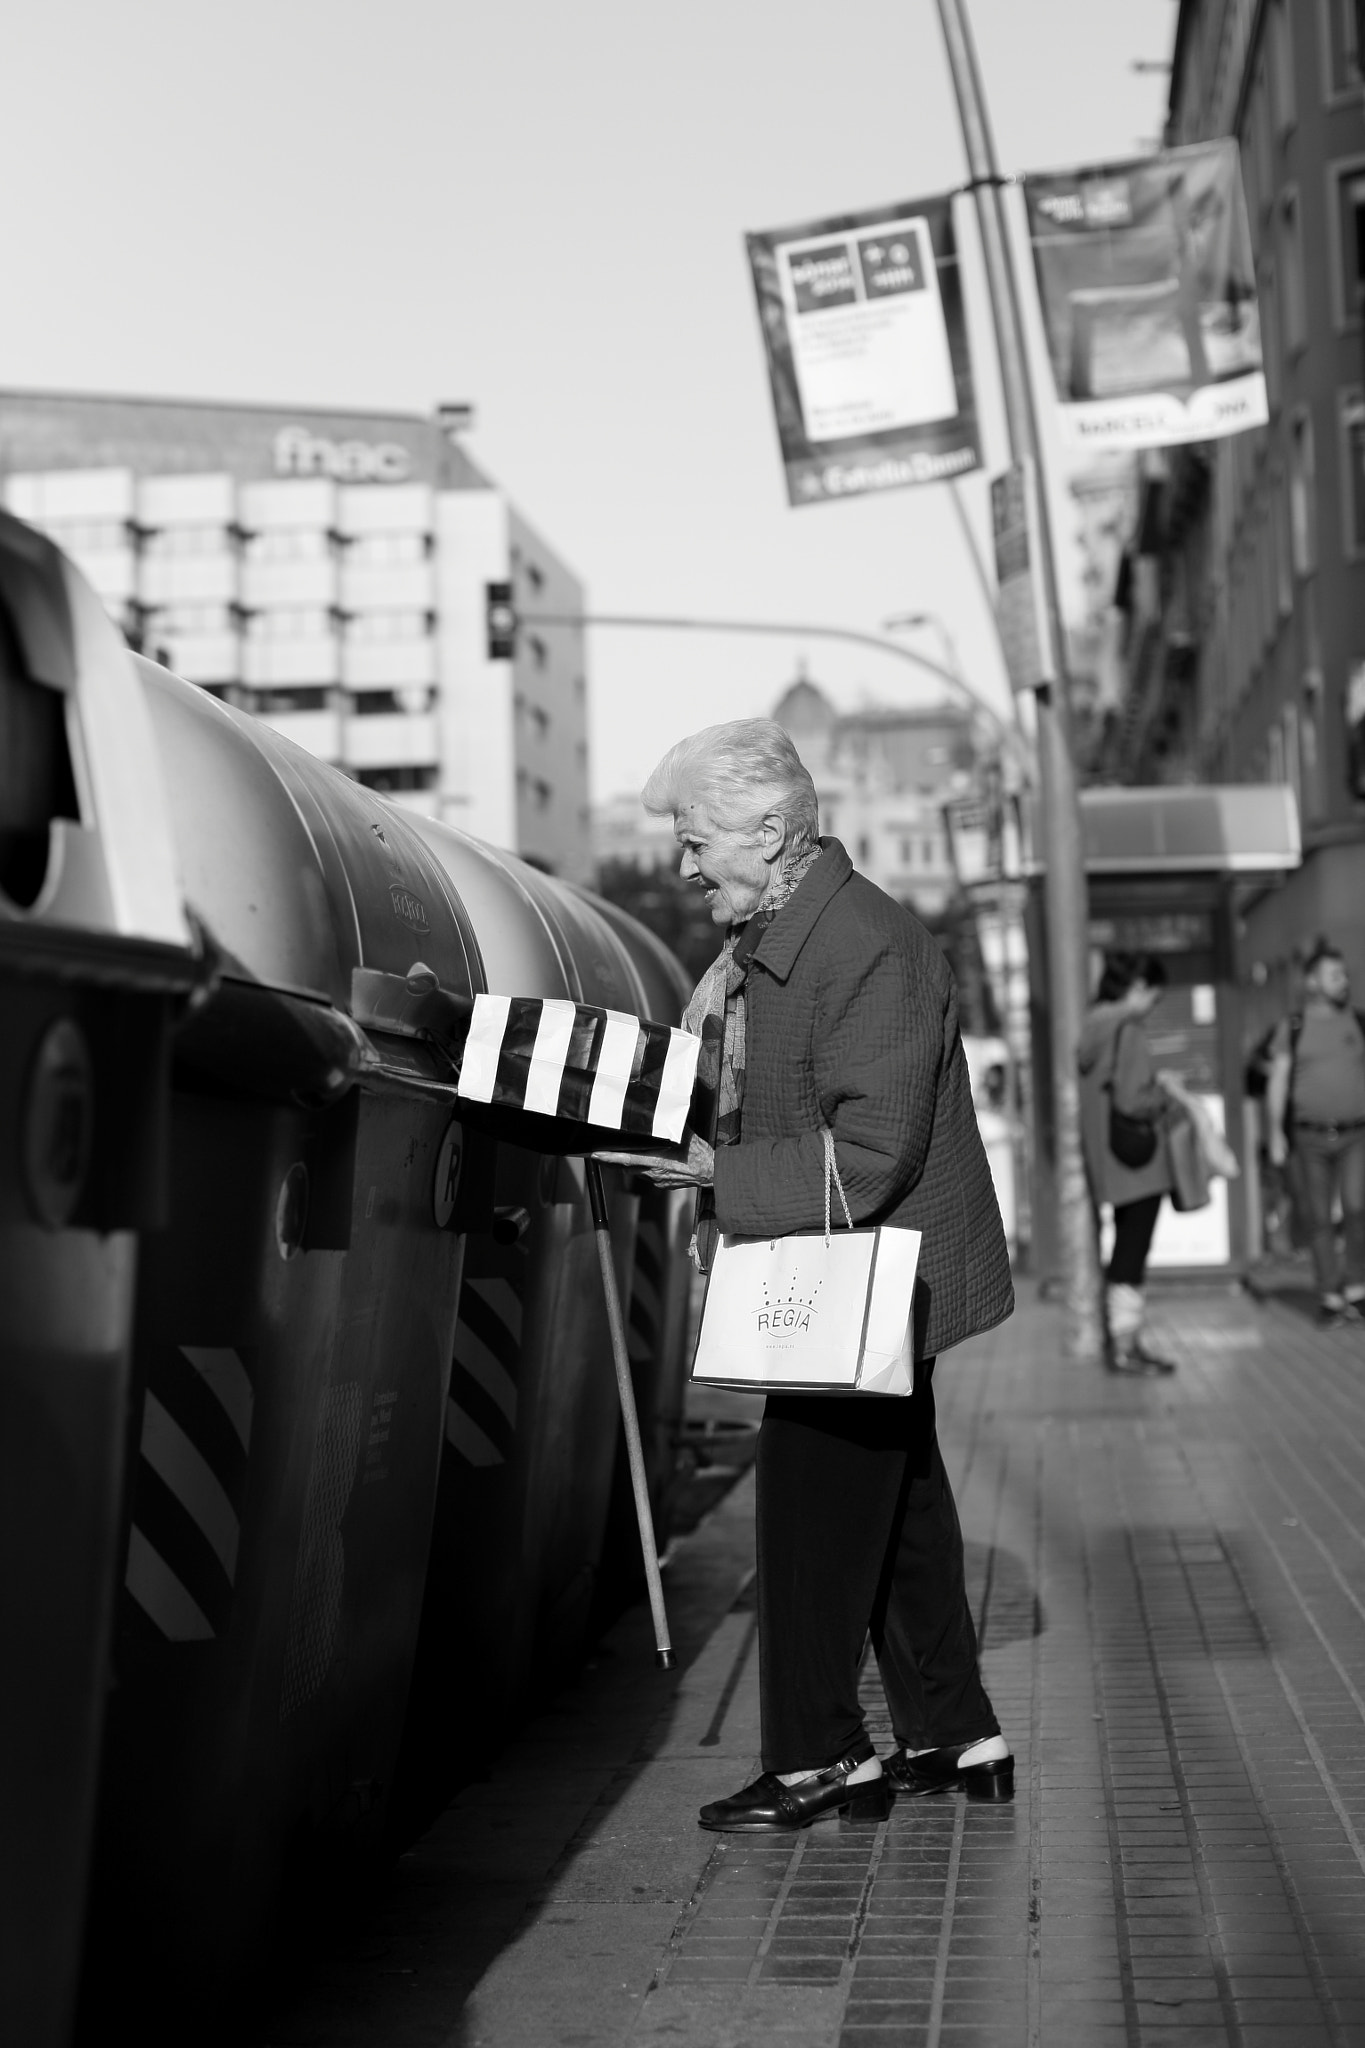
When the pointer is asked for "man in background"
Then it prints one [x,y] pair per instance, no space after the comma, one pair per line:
[1315,1103]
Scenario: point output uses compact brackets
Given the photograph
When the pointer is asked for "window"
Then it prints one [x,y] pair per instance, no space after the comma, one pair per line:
[1293,305]
[907,853]
[1303,515]
[1342,23]
[271,703]
[180,541]
[386,780]
[1353,473]
[288,544]
[1350,244]
[382,549]
[540,653]
[534,577]
[365,628]
[298,622]
[1272,328]
[1284,547]
[172,619]
[1280,41]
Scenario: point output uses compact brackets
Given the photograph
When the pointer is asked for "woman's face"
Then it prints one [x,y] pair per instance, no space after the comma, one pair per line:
[1143,998]
[732,868]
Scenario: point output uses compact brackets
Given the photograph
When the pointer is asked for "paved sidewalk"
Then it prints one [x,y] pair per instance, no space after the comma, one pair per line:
[1170,1579]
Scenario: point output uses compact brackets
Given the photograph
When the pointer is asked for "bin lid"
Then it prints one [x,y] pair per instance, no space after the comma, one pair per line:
[299,875]
[90,858]
[1233,829]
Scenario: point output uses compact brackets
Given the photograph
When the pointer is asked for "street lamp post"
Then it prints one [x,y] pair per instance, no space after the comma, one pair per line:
[1064,877]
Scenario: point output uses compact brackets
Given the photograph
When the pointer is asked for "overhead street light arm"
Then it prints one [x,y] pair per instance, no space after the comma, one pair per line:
[786,630]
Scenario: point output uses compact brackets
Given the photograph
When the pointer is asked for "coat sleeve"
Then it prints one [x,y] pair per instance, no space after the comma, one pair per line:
[878,1048]
[1135,1089]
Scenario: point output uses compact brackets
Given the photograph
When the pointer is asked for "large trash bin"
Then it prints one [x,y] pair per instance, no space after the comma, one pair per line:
[293,1336]
[95,955]
[531,1422]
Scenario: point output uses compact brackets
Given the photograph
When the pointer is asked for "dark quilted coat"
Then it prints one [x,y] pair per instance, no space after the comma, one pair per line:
[852,1022]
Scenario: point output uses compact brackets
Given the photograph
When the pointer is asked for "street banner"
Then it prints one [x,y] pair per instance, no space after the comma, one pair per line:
[1148,289]
[1021,611]
[867,350]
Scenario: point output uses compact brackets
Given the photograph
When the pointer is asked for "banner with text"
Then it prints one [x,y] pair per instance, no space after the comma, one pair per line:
[867,350]
[1148,288]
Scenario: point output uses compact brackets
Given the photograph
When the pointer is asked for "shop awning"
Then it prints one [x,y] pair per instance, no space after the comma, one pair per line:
[1239,829]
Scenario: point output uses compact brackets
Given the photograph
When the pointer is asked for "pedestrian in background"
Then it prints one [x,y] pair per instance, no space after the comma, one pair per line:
[1124,1106]
[1315,1108]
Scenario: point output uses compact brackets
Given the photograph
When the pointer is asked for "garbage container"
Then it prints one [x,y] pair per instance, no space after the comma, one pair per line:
[531,1422]
[292,1340]
[95,955]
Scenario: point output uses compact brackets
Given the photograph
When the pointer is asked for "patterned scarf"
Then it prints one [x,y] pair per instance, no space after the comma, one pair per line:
[716,1015]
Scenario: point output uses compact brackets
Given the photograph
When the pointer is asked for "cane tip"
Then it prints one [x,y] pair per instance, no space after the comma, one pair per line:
[666,1660]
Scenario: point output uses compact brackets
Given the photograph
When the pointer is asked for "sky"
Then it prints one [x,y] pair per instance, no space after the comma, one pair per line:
[540,209]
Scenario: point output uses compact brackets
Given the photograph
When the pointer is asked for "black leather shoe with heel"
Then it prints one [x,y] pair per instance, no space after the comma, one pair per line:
[768,1806]
[937,1770]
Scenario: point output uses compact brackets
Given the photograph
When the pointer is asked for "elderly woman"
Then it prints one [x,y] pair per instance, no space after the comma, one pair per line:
[830,1005]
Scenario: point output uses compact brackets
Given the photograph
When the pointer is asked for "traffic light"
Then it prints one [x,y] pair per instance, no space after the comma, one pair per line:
[500,615]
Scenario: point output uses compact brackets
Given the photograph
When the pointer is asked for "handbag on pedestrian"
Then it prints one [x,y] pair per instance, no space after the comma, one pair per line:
[1190,1179]
[815,1312]
[1132,1139]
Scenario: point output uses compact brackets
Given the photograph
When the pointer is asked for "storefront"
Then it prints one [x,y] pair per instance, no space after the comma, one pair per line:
[1169,871]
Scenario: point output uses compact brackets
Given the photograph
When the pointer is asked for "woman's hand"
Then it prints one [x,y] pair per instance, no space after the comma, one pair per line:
[697,1170]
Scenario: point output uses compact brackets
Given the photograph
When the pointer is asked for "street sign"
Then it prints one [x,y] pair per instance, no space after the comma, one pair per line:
[866,341]
[1020,604]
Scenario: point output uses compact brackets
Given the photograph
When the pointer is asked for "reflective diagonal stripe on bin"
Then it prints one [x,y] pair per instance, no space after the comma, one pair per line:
[187,1496]
[481,1413]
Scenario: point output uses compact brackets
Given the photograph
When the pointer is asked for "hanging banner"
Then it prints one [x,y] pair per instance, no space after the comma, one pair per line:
[867,351]
[1148,288]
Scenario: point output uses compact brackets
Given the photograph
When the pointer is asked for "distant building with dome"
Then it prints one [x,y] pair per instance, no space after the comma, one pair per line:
[883,776]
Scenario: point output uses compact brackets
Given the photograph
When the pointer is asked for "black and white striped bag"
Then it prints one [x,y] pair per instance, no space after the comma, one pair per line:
[590,1066]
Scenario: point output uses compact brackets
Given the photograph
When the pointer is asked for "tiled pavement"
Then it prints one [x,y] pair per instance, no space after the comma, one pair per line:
[1170,1579]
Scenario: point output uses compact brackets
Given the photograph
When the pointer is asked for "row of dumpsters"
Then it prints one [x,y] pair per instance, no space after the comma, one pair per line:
[310,1465]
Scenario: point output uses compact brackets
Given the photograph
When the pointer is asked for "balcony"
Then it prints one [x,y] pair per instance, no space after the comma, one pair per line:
[384,508]
[199,657]
[195,500]
[113,571]
[387,586]
[318,731]
[283,664]
[266,585]
[388,664]
[188,579]
[290,502]
[390,739]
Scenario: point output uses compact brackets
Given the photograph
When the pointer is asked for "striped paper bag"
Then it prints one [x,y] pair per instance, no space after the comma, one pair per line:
[585,1065]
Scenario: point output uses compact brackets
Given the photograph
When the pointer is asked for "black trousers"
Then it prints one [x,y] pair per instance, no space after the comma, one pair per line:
[858,1530]
[1134,1224]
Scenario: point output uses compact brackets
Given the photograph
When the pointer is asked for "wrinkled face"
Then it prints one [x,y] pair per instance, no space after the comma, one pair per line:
[1331,981]
[729,867]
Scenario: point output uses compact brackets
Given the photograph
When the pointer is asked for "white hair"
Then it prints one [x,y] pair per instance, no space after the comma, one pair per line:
[742,772]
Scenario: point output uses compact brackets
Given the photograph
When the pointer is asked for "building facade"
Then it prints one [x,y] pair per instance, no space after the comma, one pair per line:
[1243,587]
[330,573]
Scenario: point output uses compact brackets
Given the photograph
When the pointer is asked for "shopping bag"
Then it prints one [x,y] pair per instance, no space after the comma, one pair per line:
[815,1312]
[1189,1169]
[571,1060]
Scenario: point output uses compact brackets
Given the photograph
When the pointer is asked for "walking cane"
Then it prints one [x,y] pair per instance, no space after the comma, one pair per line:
[664,1655]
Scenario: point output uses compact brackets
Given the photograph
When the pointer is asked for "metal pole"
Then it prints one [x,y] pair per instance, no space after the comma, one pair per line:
[1064,879]
[663,1654]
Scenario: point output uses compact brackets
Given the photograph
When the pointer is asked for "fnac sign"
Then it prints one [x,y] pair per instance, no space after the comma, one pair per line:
[300,452]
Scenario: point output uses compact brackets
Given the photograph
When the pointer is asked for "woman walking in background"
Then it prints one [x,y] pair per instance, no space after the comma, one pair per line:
[1124,1106]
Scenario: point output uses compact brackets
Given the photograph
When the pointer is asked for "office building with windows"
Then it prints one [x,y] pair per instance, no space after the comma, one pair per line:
[331,572]
[1243,586]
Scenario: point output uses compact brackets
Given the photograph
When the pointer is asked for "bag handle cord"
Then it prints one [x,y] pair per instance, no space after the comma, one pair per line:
[832,1180]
